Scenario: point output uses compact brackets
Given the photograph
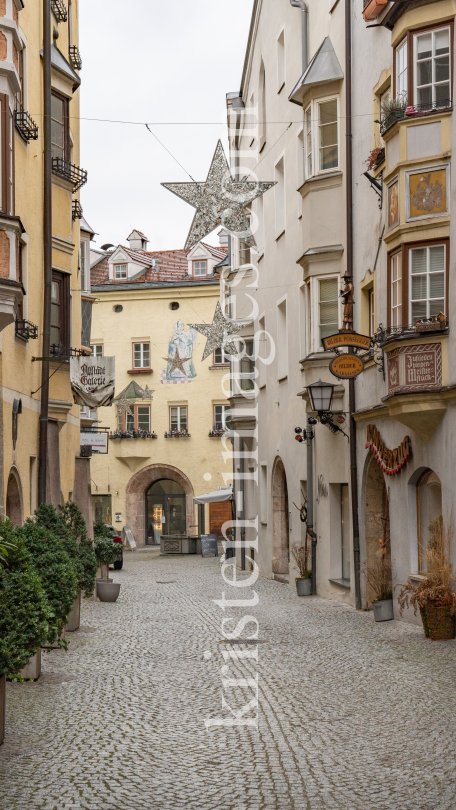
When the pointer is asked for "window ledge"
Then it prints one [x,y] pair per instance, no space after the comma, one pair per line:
[280,235]
[321,181]
[140,371]
[283,379]
[343,583]
[219,365]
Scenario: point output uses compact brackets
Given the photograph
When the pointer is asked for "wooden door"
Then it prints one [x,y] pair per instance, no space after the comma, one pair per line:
[219,513]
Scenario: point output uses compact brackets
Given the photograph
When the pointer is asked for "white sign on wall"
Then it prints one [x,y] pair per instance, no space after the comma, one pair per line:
[98,441]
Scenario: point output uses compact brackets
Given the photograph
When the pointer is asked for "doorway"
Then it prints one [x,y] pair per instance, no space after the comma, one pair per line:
[280,516]
[165,510]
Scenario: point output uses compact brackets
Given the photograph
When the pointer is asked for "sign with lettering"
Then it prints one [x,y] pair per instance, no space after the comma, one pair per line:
[415,368]
[342,339]
[129,538]
[345,366]
[390,461]
[97,441]
[93,380]
[209,545]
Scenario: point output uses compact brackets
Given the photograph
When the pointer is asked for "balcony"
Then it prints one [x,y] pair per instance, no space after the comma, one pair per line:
[75,58]
[177,434]
[413,111]
[132,434]
[426,326]
[77,210]
[75,175]
[60,11]
[26,330]
[26,126]
[372,9]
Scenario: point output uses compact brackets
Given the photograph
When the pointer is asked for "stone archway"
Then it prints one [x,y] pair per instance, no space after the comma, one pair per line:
[136,498]
[376,509]
[280,520]
[14,504]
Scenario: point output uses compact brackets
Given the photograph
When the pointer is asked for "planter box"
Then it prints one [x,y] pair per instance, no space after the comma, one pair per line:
[372,9]
[74,619]
[178,544]
[438,623]
[2,708]
[33,669]
[304,586]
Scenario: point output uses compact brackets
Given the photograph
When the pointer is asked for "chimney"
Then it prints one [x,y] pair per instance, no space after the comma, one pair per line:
[223,238]
[137,241]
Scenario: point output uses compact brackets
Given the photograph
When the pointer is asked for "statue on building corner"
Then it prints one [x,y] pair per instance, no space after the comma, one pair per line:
[348,299]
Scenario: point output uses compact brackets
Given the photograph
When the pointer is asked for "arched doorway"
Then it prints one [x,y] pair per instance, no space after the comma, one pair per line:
[14,499]
[136,506]
[165,510]
[280,520]
[376,521]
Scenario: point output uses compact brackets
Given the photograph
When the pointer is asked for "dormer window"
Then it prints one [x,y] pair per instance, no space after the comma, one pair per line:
[200,268]
[120,271]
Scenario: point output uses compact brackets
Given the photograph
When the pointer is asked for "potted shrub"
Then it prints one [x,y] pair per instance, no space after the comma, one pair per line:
[434,593]
[379,575]
[301,557]
[393,109]
[106,551]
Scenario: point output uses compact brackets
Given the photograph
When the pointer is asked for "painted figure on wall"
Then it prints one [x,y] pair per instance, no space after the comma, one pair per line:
[180,365]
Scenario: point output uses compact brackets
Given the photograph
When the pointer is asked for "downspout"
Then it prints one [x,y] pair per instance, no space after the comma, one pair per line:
[47,254]
[305,61]
[349,272]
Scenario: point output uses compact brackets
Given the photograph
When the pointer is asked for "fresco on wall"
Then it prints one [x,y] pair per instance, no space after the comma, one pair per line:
[428,193]
[179,367]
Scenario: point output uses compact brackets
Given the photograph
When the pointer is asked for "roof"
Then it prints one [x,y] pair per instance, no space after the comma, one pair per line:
[132,391]
[140,234]
[59,63]
[217,252]
[324,67]
[84,226]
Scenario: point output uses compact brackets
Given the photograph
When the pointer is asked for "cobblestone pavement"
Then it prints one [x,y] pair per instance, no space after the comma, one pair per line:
[352,715]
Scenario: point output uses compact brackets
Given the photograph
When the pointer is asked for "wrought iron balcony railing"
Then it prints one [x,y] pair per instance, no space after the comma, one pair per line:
[26,126]
[60,11]
[438,323]
[26,330]
[177,434]
[133,434]
[413,111]
[57,350]
[63,168]
[75,57]
[77,210]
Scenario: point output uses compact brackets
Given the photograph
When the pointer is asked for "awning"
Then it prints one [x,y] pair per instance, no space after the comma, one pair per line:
[220,495]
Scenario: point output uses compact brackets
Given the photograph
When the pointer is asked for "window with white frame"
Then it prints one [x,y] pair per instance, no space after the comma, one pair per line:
[300,165]
[120,271]
[247,367]
[371,301]
[396,289]
[222,415]
[200,268]
[178,417]
[221,358]
[85,265]
[427,281]
[322,136]
[141,355]
[309,141]
[328,307]
[280,61]
[303,321]
[97,350]
[279,197]
[282,340]
[402,70]
[432,68]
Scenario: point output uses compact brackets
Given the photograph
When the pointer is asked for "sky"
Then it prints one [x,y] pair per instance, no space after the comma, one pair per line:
[157,62]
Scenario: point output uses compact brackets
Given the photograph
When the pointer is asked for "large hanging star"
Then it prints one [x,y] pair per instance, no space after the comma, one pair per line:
[219,333]
[219,201]
[177,362]
[147,393]
[124,405]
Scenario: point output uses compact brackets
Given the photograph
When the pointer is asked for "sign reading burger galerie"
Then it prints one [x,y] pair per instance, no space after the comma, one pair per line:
[390,461]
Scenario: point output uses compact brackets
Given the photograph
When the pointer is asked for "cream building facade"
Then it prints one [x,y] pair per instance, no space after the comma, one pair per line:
[167,422]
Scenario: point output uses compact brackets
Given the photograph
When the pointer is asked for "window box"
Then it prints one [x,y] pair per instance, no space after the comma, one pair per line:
[75,58]
[75,175]
[26,330]
[140,371]
[26,126]
[60,12]
[132,434]
[77,210]
[372,8]
[177,434]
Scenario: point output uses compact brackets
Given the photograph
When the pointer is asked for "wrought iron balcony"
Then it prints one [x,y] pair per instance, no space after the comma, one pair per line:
[60,11]
[63,168]
[177,434]
[414,111]
[438,323]
[133,434]
[57,350]
[77,210]
[75,57]
[26,330]
[26,126]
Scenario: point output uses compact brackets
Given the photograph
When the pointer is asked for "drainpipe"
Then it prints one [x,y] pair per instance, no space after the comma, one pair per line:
[47,254]
[349,271]
[310,435]
[305,61]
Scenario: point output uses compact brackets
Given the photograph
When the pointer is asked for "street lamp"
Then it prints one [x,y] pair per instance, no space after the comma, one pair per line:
[321,394]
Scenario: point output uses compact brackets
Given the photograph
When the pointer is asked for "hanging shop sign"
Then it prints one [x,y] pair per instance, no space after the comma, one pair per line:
[390,461]
[97,441]
[346,366]
[346,339]
[93,380]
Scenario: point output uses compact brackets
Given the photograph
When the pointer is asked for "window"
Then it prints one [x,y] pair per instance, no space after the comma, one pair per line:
[328,140]
[86,321]
[222,415]
[282,340]
[220,358]
[309,143]
[300,164]
[396,289]
[328,307]
[85,265]
[280,61]
[244,252]
[279,192]
[178,417]
[141,355]
[303,321]
[199,268]
[371,296]
[247,367]
[429,514]
[97,350]
[20,93]
[140,418]
[120,271]
[60,127]
[259,236]
[401,70]
[89,413]
[60,315]
[432,69]
[427,282]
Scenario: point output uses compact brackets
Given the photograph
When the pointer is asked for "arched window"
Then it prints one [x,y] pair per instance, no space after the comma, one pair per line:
[429,510]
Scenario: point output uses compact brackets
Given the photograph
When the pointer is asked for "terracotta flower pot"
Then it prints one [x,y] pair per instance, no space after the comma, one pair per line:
[438,623]
[108,591]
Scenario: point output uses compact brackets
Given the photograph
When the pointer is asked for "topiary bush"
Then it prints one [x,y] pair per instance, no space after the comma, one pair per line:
[56,571]
[24,610]
[106,551]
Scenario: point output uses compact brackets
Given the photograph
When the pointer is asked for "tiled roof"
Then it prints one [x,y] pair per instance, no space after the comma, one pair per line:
[171,265]
[217,252]
[140,234]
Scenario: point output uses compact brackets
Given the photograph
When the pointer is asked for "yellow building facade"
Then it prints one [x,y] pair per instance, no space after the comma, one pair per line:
[166,425]
[21,254]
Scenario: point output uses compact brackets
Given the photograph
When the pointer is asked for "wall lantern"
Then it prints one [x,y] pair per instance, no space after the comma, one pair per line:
[321,394]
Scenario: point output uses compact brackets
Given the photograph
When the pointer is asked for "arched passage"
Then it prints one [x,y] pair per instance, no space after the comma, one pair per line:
[14,508]
[280,520]
[137,499]
[376,517]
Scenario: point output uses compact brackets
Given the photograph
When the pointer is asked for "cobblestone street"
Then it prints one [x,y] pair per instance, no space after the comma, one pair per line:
[352,715]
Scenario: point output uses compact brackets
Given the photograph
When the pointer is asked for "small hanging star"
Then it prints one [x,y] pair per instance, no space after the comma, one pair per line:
[219,201]
[147,393]
[219,333]
[177,362]
[124,405]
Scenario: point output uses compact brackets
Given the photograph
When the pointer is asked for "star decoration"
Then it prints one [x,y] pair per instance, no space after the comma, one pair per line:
[177,362]
[219,201]
[219,333]
[124,405]
[147,393]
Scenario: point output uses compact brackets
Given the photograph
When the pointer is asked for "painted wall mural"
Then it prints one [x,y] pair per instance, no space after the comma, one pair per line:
[179,362]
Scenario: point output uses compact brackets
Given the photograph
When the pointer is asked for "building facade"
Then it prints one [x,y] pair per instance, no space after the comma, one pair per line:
[171,409]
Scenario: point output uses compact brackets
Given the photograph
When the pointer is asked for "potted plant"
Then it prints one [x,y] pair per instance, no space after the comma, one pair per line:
[392,110]
[106,552]
[434,594]
[301,557]
[379,574]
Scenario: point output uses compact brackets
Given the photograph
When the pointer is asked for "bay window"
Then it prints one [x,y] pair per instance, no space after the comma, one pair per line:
[396,289]
[423,68]
[418,282]
[322,136]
